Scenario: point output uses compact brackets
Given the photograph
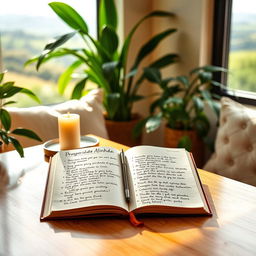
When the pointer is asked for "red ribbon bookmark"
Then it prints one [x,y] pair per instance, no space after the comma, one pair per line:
[134,221]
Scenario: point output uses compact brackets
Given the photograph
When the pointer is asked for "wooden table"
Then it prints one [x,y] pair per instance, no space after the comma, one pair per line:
[231,230]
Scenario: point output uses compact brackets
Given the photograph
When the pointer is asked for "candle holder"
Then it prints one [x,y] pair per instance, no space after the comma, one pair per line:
[51,147]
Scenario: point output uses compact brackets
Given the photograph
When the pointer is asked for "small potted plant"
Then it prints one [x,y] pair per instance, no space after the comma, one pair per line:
[7,136]
[104,60]
[181,103]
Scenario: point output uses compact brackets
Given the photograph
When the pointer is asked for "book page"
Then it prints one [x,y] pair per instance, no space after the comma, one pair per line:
[162,176]
[87,177]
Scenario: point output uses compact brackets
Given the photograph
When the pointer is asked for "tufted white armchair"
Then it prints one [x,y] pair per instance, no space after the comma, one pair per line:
[235,145]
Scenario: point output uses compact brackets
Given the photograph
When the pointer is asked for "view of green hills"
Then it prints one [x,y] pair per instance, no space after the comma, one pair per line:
[242,58]
[23,37]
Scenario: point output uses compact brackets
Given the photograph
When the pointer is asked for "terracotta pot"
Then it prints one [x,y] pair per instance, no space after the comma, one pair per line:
[121,132]
[172,137]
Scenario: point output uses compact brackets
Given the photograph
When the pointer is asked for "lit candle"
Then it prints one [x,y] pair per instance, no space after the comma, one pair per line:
[69,131]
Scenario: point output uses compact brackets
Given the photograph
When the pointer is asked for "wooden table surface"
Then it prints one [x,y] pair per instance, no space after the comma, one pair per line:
[231,230]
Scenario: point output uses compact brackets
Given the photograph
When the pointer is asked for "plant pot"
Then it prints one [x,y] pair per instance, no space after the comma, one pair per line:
[121,131]
[172,137]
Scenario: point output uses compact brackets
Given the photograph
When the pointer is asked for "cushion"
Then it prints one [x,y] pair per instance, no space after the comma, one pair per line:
[43,119]
[235,145]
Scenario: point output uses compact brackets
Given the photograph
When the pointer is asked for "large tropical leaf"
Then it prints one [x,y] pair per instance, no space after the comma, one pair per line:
[107,14]
[66,76]
[125,48]
[109,40]
[58,41]
[57,53]
[78,89]
[70,16]
[153,75]
[164,61]
[148,47]
[112,104]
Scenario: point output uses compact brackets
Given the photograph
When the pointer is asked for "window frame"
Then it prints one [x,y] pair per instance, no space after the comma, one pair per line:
[220,51]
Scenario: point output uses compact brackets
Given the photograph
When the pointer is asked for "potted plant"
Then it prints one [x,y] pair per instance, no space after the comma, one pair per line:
[104,60]
[181,103]
[7,136]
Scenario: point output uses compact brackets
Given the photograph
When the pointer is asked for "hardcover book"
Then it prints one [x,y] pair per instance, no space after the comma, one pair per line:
[90,182]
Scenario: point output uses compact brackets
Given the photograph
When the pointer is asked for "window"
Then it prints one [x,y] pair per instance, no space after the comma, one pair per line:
[234,47]
[25,27]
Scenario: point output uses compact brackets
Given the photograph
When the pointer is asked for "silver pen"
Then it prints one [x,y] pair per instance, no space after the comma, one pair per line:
[125,176]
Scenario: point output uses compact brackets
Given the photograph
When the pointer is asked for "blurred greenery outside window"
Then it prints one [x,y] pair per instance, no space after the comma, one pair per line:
[25,27]
[242,48]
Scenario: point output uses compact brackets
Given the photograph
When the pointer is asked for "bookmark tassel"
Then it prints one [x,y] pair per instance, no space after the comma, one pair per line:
[134,221]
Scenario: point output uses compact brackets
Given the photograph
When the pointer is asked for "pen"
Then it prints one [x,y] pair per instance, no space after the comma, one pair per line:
[125,176]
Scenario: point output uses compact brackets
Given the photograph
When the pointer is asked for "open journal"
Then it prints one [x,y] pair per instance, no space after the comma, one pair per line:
[90,182]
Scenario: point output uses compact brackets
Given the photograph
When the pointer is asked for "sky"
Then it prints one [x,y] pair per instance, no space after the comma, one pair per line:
[40,7]
[244,6]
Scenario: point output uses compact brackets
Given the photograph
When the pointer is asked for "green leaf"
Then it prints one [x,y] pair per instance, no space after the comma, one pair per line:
[132,73]
[66,76]
[58,41]
[147,48]
[107,14]
[70,16]
[9,102]
[164,61]
[26,133]
[1,76]
[4,137]
[153,123]
[112,104]
[199,104]
[174,100]
[185,142]
[8,89]
[125,48]
[209,69]
[79,87]
[5,119]
[137,130]
[57,53]
[205,77]
[17,146]
[153,75]
[134,98]
[201,124]
[109,40]
[184,80]
[30,94]
[109,67]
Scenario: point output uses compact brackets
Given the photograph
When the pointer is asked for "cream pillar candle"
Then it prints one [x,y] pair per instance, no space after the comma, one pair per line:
[69,131]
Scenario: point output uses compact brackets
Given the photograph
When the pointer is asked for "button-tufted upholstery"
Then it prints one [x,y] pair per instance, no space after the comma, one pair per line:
[235,145]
